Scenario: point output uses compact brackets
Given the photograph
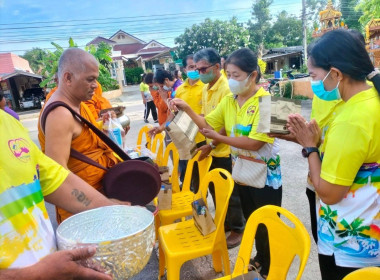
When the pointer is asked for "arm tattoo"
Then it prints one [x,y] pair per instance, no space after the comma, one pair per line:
[81,197]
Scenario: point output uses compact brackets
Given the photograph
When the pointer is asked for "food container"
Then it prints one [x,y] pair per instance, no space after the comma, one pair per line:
[123,235]
[124,121]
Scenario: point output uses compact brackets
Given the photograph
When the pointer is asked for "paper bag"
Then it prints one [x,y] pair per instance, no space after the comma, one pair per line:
[202,217]
[164,173]
[164,197]
[252,275]
[274,112]
[182,130]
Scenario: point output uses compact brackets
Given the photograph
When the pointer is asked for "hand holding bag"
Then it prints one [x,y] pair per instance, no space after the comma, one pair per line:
[249,171]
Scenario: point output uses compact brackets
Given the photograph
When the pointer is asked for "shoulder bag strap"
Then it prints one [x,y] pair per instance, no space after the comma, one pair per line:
[97,131]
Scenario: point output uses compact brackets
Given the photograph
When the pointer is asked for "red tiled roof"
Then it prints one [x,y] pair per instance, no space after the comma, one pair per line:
[146,56]
[157,50]
[99,39]
[128,48]
[10,62]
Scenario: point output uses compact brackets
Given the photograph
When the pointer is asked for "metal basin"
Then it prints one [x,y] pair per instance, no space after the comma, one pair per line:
[123,236]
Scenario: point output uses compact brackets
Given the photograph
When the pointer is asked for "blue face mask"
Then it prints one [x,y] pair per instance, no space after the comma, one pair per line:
[167,88]
[208,77]
[193,75]
[319,90]
[155,87]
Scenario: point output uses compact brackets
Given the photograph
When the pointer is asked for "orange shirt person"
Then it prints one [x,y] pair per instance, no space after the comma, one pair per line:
[77,71]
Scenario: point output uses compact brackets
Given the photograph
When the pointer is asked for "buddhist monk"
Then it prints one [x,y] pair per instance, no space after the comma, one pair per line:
[77,73]
[97,102]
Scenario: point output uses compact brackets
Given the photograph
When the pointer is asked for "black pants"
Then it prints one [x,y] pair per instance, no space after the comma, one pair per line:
[329,269]
[182,166]
[234,217]
[149,106]
[313,213]
[251,200]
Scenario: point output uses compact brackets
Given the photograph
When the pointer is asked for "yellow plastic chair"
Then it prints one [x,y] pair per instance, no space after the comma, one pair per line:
[181,201]
[157,147]
[181,242]
[367,273]
[174,176]
[144,131]
[285,242]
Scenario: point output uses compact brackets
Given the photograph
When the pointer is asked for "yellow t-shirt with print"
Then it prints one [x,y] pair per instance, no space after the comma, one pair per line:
[211,97]
[351,157]
[243,121]
[192,95]
[27,175]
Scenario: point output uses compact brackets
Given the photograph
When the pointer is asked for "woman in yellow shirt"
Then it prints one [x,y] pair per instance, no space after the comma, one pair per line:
[238,113]
[346,173]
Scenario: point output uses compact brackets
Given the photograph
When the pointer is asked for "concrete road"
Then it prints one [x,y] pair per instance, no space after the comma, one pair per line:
[294,170]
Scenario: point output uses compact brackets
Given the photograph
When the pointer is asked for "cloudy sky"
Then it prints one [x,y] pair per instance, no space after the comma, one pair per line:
[25,24]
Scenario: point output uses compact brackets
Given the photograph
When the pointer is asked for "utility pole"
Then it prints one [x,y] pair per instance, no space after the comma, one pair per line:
[304,31]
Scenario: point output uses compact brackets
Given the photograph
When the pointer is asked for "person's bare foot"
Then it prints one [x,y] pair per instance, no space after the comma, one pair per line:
[234,239]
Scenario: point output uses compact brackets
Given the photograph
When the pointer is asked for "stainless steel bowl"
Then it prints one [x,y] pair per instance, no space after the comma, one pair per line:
[124,121]
[123,236]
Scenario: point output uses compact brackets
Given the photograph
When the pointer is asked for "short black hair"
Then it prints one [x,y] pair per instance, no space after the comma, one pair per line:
[161,75]
[143,77]
[148,78]
[184,61]
[208,54]
[1,96]
[246,60]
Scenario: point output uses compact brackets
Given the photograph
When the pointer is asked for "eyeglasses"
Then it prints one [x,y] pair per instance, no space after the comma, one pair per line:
[204,69]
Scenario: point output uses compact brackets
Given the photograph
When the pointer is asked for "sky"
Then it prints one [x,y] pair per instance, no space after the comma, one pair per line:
[27,24]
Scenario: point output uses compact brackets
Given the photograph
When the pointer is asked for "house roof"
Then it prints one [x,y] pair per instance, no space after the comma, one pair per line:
[128,48]
[271,56]
[141,41]
[153,50]
[99,39]
[19,72]
[10,62]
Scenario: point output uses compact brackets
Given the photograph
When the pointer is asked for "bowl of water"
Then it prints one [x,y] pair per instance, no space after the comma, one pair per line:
[123,236]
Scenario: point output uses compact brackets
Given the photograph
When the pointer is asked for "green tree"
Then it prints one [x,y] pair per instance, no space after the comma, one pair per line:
[370,9]
[286,31]
[103,53]
[350,16]
[259,25]
[224,36]
[35,58]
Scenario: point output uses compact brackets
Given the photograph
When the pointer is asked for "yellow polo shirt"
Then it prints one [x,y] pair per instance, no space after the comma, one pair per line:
[192,95]
[223,73]
[324,112]
[211,97]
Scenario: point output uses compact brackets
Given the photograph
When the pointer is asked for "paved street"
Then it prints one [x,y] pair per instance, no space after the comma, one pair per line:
[294,170]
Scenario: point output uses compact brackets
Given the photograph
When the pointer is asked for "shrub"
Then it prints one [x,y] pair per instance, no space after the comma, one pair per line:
[133,75]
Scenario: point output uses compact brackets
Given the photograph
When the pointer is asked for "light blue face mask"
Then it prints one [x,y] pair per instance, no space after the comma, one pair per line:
[167,88]
[208,77]
[319,90]
[193,75]
[155,87]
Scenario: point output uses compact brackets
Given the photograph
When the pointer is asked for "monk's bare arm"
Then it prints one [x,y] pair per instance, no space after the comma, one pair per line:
[80,195]
[59,131]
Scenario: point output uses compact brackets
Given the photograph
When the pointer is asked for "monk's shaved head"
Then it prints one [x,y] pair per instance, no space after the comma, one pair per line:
[74,60]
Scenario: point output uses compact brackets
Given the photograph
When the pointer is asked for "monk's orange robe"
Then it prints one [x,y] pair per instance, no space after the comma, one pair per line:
[97,102]
[51,93]
[89,144]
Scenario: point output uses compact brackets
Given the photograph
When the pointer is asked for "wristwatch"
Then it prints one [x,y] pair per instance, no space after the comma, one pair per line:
[212,145]
[308,150]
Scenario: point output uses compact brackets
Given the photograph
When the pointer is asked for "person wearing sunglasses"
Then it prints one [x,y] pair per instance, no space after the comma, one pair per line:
[208,64]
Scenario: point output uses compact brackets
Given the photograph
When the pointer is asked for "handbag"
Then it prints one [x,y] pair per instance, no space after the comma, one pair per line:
[249,171]
[135,180]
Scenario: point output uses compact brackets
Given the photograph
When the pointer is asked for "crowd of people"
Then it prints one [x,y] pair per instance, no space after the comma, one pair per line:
[221,94]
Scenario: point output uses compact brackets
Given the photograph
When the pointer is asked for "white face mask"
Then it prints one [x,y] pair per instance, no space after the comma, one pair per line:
[238,87]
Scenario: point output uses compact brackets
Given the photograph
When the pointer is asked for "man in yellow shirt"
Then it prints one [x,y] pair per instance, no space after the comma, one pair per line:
[216,87]
[191,92]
